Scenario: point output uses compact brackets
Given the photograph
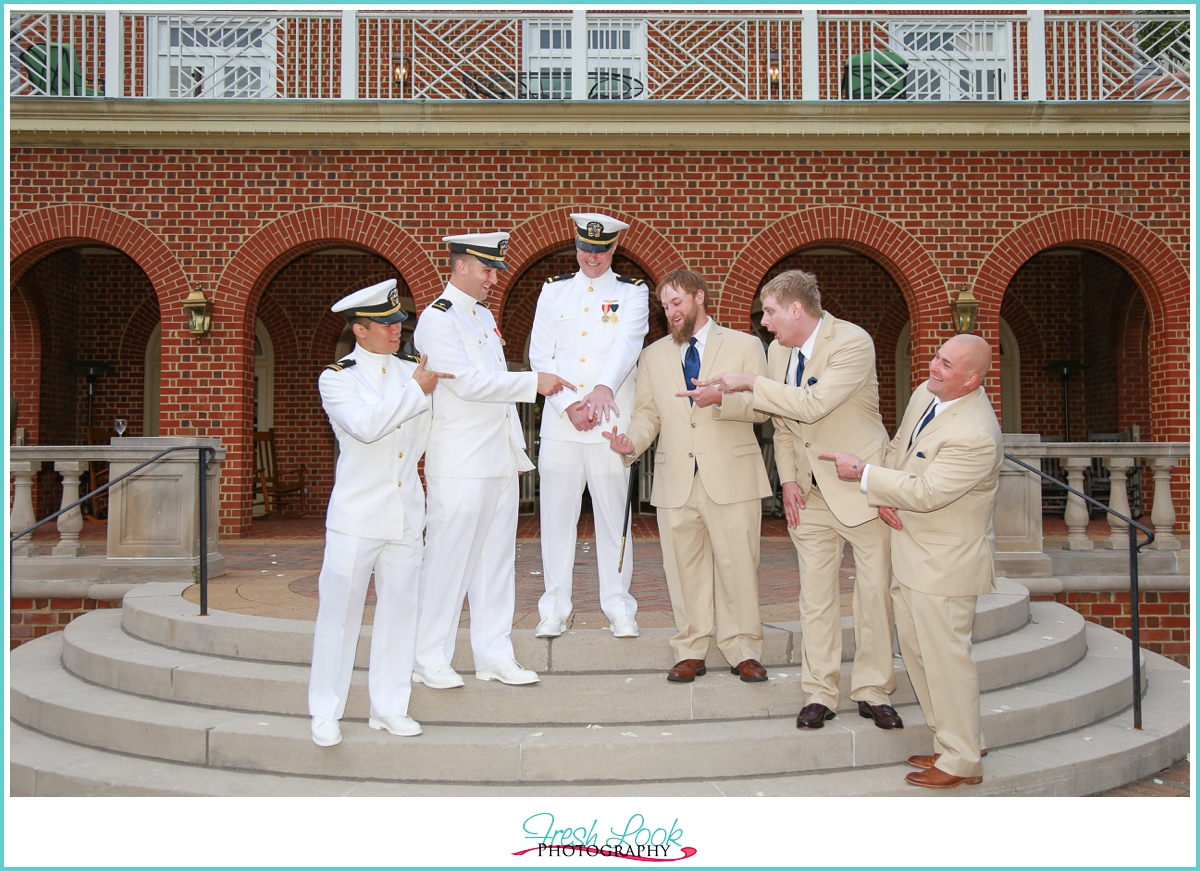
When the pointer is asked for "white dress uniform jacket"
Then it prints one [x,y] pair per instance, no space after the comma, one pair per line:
[571,338]
[379,441]
[475,409]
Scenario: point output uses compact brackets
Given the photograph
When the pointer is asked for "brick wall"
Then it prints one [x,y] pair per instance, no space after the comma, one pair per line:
[1165,617]
[32,618]
[232,220]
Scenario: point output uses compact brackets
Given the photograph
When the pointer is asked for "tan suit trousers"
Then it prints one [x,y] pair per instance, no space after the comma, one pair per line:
[820,539]
[935,641]
[710,555]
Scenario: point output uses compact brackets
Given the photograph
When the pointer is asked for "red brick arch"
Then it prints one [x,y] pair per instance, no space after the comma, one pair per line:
[38,234]
[885,242]
[1155,268]
[550,231]
[236,296]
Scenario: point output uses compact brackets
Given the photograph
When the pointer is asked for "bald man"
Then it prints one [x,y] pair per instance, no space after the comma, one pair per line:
[936,488]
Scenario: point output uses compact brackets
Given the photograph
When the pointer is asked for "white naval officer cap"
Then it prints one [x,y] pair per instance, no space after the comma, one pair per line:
[379,302]
[488,248]
[596,232]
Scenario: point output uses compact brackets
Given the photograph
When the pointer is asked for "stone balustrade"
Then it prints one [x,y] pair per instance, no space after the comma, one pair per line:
[1019,499]
[152,530]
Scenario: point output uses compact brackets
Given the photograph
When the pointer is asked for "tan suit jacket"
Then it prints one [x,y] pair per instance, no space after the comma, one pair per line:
[720,440]
[836,409]
[944,486]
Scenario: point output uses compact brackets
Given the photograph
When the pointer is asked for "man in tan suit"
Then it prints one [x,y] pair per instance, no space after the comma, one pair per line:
[824,395]
[939,477]
[709,480]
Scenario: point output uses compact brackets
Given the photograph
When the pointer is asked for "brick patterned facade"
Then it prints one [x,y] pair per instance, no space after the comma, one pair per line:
[1166,618]
[32,618]
[239,222]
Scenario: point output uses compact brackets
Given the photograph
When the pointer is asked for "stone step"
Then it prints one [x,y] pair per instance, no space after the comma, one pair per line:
[1095,757]
[50,700]
[98,651]
[159,614]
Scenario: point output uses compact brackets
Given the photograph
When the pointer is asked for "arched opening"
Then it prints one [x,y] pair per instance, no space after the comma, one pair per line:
[93,307]
[1010,379]
[295,337]
[152,382]
[1077,305]
[264,378]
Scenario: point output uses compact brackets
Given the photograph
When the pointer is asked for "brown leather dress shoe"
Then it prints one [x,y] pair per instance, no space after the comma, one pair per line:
[751,670]
[930,760]
[686,670]
[924,761]
[813,716]
[885,716]
[934,778]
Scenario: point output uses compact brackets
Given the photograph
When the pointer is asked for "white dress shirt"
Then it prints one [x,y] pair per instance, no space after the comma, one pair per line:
[806,349]
[938,407]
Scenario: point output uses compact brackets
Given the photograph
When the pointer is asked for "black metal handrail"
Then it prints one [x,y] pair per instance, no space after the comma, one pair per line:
[1134,547]
[206,455]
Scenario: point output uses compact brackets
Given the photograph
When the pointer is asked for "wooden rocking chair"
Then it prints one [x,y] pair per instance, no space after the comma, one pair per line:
[284,494]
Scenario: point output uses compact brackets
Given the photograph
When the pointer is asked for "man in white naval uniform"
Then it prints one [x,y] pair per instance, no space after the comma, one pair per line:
[476,449]
[589,328]
[377,402]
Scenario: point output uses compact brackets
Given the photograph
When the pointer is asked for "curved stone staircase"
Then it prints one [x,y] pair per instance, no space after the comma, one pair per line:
[155,700]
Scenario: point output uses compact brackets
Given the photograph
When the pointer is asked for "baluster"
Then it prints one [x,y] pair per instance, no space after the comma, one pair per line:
[1076,513]
[1118,500]
[22,516]
[1162,514]
[71,523]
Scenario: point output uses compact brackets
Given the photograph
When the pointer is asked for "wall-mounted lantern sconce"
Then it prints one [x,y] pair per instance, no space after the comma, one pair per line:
[964,310]
[198,309]
[400,68]
[773,66]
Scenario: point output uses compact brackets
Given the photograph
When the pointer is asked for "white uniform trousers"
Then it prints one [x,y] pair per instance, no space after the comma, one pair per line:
[565,467]
[470,550]
[935,641]
[342,588]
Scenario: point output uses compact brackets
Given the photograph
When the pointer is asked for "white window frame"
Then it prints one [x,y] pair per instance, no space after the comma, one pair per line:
[611,62]
[226,58]
[953,61]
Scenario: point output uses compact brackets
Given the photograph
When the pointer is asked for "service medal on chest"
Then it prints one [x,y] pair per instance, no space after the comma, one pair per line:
[498,336]
[610,311]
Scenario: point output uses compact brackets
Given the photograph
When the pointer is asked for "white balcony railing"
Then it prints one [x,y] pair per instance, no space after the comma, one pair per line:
[601,55]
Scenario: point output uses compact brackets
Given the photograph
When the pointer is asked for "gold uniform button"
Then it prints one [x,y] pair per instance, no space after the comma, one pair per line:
[481,341]
[385,370]
[584,333]
[580,383]
[399,483]
[585,308]
[591,290]
[402,455]
[583,359]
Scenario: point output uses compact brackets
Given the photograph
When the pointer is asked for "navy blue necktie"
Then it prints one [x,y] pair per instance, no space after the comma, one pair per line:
[924,421]
[799,368]
[691,367]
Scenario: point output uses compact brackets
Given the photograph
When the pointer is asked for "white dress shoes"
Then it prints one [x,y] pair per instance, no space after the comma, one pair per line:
[397,724]
[440,677]
[508,672]
[624,627]
[326,733]
[551,627]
